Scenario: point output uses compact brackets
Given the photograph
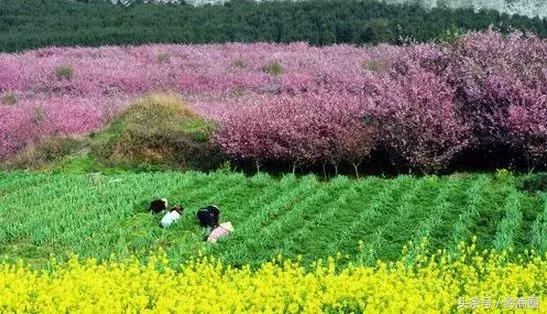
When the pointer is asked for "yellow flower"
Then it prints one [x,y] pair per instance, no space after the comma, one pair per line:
[437,283]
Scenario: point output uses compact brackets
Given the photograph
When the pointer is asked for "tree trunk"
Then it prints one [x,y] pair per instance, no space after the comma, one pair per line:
[293,167]
[335,169]
[324,170]
[356,169]
[257,165]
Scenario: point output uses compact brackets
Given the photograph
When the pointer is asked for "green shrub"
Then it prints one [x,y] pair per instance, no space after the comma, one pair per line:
[158,130]
[273,68]
[85,164]
[64,72]
[42,154]
[536,182]
[38,115]
[239,91]
[376,65]
[9,98]
[239,64]
[164,57]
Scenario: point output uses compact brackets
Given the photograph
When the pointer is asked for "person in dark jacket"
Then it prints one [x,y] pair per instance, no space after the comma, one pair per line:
[208,217]
[158,205]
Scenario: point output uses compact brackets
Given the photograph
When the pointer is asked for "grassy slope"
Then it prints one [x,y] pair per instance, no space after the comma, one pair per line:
[96,215]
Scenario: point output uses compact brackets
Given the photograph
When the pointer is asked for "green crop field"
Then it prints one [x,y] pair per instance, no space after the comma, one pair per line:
[99,215]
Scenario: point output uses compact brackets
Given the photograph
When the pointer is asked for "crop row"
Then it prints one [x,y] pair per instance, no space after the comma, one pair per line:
[96,215]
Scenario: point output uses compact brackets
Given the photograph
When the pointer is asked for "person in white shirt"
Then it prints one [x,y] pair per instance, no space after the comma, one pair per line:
[172,216]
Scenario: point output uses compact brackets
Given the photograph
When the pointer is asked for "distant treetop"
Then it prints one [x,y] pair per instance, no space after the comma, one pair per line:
[29,24]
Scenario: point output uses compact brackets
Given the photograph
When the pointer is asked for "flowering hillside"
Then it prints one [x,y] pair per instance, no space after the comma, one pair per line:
[422,105]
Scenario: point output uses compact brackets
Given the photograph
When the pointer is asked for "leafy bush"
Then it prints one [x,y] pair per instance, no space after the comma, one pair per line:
[451,35]
[9,98]
[158,129]
[64,72]
[38,115]
[44,152]
[536,182]
[164,57]
[239,63]
[273,68]
[376,65]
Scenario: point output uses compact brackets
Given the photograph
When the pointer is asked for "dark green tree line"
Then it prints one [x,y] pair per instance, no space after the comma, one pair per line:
[26,24]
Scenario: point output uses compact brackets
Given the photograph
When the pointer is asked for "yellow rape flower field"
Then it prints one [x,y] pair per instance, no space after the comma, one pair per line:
[486,281]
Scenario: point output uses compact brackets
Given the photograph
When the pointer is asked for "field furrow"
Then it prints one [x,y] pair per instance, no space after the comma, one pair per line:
[510,223]
[375,215]
[315,221]
[248,205]
[329,233]
[267,241]
[443,202]
[460,231]
[441,224]
[539,228]
[46,190]
[249,233]
[387,238]
[284,227]
[10,185]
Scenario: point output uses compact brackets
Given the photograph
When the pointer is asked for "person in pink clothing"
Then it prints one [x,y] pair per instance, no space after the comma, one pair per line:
[208,218]
[222,230]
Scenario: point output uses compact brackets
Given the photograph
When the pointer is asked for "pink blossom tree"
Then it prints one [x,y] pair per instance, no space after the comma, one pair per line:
[417,121]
